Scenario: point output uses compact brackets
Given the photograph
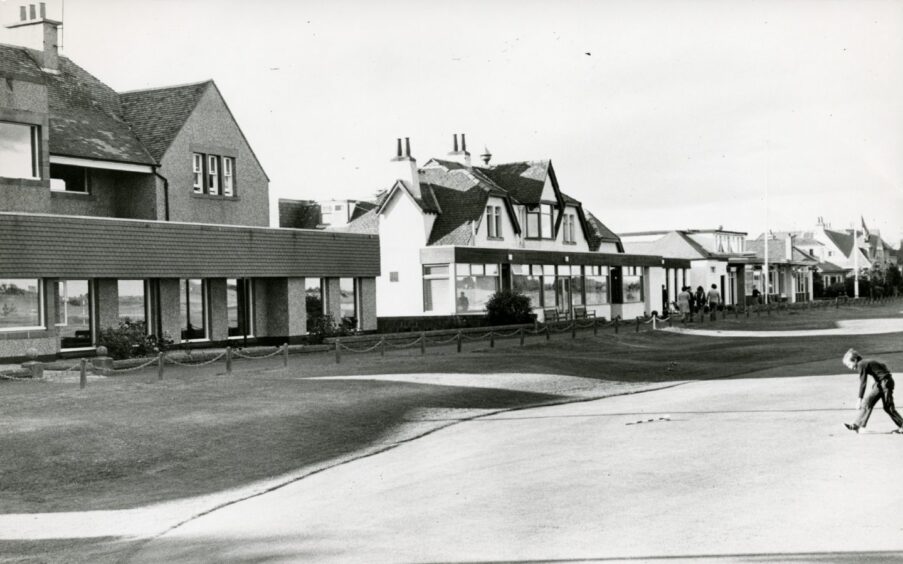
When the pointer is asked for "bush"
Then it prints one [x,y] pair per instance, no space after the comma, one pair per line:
[324,326]
[509,307]
[130,339]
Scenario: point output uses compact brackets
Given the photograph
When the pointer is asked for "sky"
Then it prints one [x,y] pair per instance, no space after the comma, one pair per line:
[655,114]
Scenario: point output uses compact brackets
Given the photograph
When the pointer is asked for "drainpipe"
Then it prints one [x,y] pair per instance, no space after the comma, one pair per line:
[165,194]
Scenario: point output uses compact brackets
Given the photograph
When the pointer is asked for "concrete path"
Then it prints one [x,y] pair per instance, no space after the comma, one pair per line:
[756,469]
[844,327]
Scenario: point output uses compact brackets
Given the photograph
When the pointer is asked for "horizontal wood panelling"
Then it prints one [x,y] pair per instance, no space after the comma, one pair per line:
[63,246]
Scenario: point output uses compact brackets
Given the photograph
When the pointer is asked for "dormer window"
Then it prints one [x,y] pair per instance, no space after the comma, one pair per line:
[494,222]
[570,233]
[539,222]
[19,150]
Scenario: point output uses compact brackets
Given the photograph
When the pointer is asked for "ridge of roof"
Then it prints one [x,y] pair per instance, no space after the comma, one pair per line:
[167,87]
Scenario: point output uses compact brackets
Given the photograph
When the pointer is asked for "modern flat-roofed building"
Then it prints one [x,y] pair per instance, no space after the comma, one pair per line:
[149,205]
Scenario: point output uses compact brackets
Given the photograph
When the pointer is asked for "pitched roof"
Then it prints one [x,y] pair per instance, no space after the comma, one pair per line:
[157,115]
[18,64]
[830,267]
[777,252]
[598,233]
[86,118]
[524,181]
[843,241]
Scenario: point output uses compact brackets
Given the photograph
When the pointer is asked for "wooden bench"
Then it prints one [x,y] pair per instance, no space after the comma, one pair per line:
[550,315]
[580,312]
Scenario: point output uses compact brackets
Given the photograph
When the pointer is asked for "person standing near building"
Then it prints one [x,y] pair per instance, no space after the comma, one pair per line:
[683,301]
[883,389]
[700,299]
[714,297]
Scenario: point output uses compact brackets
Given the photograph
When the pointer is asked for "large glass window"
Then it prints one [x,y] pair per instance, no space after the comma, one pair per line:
[576,286]
[596,285]
[632,283]
[348,291]
[548,286]
[20,304]
[132,300]
[527,282]
[436,288]
[19,145]
[73,314]
[313,300]
[474,284]
[239,305]
[546,221]
[193,309]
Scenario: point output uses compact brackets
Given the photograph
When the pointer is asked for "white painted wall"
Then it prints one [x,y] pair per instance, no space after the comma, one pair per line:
[400,244]
[509,239]
[701,274]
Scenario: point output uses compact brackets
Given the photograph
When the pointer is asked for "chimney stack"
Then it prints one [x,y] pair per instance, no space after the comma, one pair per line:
[406,168]
[36,31]
[460,155]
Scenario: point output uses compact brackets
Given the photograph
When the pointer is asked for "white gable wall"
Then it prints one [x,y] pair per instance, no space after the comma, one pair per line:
[399,245]
[509,238]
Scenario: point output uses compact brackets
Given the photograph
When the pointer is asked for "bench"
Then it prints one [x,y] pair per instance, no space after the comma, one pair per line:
[580,312]
[550,315]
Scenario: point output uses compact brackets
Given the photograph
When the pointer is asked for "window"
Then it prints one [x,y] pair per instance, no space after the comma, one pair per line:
[193,309]
[474,284]
[632,284]
[596,285]
[132,300]
[313,300]
[239,307]
[546,221]
[228,185]
[20,304]
[533,231]
[494,222]
[548,286]
[393,276]
[539,222]
[73,314]
[348,291]
[64,178]
[569,234]
[19,150]
[198,165]
[524,280]
[436,288]
[213,175]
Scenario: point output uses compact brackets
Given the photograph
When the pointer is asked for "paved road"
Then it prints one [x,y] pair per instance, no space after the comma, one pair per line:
[844,327]
[758,469]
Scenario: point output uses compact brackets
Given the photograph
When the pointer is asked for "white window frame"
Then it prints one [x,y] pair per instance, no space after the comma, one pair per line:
[41,318]
[228,176]
[198,168]
[213,175]
[35,136]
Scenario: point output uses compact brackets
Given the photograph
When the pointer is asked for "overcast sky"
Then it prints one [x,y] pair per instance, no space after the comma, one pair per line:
[656,114]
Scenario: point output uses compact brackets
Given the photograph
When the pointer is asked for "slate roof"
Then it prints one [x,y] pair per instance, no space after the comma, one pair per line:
[843,241]
[830,267]
[16,63]
[157,115]
[777,252]
[524,181]
[598,233]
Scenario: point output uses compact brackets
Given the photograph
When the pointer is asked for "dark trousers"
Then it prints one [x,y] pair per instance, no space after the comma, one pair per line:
[883,390]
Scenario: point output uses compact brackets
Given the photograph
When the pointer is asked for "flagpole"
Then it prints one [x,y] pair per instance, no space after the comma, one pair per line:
[767,277]
[855,262]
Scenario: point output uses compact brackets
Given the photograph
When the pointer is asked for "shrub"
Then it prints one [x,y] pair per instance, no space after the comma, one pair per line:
[508,307]
[130,339]
[324,326]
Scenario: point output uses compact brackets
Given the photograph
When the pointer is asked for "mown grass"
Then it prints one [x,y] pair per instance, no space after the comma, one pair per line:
[131,440]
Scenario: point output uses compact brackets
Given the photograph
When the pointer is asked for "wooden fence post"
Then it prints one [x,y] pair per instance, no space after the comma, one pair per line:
[229,361]
[285,355]
[617,320]
[422,343]
[338,349]
[522,334]
[382,347]
[595,328]
[83,374]
[491,340]
[574,329]
[160,363]
[637,324]
[548,333]
[459,341]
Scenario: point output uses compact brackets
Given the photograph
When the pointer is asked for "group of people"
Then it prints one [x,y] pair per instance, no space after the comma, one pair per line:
[689,303]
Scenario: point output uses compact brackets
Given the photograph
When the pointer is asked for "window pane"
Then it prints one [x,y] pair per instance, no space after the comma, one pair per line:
[65,178]
[474,291]
[547,221]
[492,270]
[462,269]
[238,306]
[131,300]
[349,298]
[313,298]
[439,270]
[73,313]
[596,290]
[530,286]
[532,224]
[227,176]
[191,309]
[577,290]
[17,155]
[633,289]
[20,303]
[436,295]
[198,168]
[548,291]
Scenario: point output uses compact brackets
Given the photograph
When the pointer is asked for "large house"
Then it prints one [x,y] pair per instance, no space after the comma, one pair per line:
[453,233]
[717,256]
[149,205]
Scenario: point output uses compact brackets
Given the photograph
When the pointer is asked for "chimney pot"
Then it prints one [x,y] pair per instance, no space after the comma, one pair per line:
[407,146]
[455,137]
[399,148]
[463,143]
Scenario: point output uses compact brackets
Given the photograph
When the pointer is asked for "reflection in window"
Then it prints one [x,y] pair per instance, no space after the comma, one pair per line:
[239,300]
[20,304]
[19,150]
[193,309]
[313,300]
[436,288]
[548,286]
[632,283]
[348,290]
[73,313]
[527,280]
[132,300]
[596,285]
[474,284]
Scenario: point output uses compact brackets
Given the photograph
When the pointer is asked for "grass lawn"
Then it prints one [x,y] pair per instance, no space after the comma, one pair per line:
[130,440]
